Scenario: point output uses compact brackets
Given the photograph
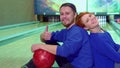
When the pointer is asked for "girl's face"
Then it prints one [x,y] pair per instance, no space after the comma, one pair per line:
[90,21]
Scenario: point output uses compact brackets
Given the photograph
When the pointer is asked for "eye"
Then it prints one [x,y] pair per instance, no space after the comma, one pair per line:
[90,15]
[87,20]
[67,13]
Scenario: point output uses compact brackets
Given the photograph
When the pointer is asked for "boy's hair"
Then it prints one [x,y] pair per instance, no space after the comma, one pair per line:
[72,6]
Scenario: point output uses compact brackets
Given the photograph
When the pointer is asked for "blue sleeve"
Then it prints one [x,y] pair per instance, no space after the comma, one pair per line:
[117,46]
[71,45]
[105,48]
[59,35]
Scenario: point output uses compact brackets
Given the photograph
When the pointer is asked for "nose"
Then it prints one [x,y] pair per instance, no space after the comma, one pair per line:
[63,16]
[93,17]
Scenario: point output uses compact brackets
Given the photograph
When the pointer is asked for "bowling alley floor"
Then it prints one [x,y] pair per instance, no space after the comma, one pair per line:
[17,52]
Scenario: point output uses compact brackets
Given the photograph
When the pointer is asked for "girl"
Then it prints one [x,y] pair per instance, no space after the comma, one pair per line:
[104,49]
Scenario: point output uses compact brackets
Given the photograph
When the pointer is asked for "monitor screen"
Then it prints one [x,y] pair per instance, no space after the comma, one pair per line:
[110,6]
[51,7]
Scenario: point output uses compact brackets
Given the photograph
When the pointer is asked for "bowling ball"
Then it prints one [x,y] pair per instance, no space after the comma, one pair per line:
[43,59]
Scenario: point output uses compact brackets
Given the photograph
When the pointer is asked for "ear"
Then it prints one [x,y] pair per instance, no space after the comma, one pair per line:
[75,15]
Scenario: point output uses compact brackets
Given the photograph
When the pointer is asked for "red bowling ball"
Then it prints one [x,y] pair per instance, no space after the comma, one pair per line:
[43,59]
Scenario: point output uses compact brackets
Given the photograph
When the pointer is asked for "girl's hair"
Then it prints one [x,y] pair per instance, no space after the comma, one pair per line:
[72,6]
[78,19]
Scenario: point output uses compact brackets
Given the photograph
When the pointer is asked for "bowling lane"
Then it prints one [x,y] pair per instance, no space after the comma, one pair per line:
[112,31]
[17,28]
[18,52]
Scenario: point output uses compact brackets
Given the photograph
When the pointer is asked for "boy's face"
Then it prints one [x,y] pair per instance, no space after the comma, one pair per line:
[67,16]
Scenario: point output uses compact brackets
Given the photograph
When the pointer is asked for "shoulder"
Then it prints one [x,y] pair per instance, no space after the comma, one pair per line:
[76,28]
[77,31]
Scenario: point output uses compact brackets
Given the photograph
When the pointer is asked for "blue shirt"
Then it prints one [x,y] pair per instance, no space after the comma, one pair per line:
[104,50]
[76,47]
